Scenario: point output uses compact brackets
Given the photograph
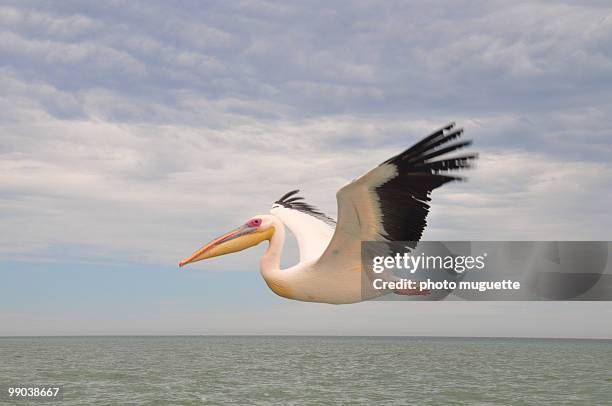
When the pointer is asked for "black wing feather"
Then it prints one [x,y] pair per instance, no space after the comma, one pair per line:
[404,198]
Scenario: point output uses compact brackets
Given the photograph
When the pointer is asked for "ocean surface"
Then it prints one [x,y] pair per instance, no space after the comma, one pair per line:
[312,370]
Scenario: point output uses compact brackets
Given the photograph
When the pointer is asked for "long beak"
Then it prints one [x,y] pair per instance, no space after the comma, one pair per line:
[234,241]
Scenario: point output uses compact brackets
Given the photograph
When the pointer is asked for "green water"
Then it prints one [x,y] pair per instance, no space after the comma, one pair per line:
[312,370]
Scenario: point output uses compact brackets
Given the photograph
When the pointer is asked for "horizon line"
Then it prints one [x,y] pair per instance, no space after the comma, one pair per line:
[306,335]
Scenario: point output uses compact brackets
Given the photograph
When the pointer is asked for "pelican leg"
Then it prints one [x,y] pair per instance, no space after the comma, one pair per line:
[412,292]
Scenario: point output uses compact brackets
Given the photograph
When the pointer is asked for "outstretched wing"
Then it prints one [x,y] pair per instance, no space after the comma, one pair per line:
[391,202]
[312,229]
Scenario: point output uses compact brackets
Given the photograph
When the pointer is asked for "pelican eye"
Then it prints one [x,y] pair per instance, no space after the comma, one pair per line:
[254,223]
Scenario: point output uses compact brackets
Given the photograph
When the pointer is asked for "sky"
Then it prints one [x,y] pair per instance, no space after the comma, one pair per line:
[133,132]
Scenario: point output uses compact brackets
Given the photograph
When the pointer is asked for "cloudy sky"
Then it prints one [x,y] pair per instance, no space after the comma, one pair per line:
[132,132]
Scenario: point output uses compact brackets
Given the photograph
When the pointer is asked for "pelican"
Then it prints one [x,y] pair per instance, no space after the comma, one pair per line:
[388,203]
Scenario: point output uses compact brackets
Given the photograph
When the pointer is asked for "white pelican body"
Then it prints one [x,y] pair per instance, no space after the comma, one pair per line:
[388,203]
[309,280]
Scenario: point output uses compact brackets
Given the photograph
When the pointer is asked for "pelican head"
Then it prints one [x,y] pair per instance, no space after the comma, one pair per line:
[251,233]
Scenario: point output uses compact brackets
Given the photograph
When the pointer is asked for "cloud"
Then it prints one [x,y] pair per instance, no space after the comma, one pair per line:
[87,55]
[131,132]
[326,59]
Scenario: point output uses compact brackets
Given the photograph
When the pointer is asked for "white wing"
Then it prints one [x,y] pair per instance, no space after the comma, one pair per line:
[312,234]
[390,202]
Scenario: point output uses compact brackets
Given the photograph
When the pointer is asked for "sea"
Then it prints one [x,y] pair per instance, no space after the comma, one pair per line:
[291,370]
